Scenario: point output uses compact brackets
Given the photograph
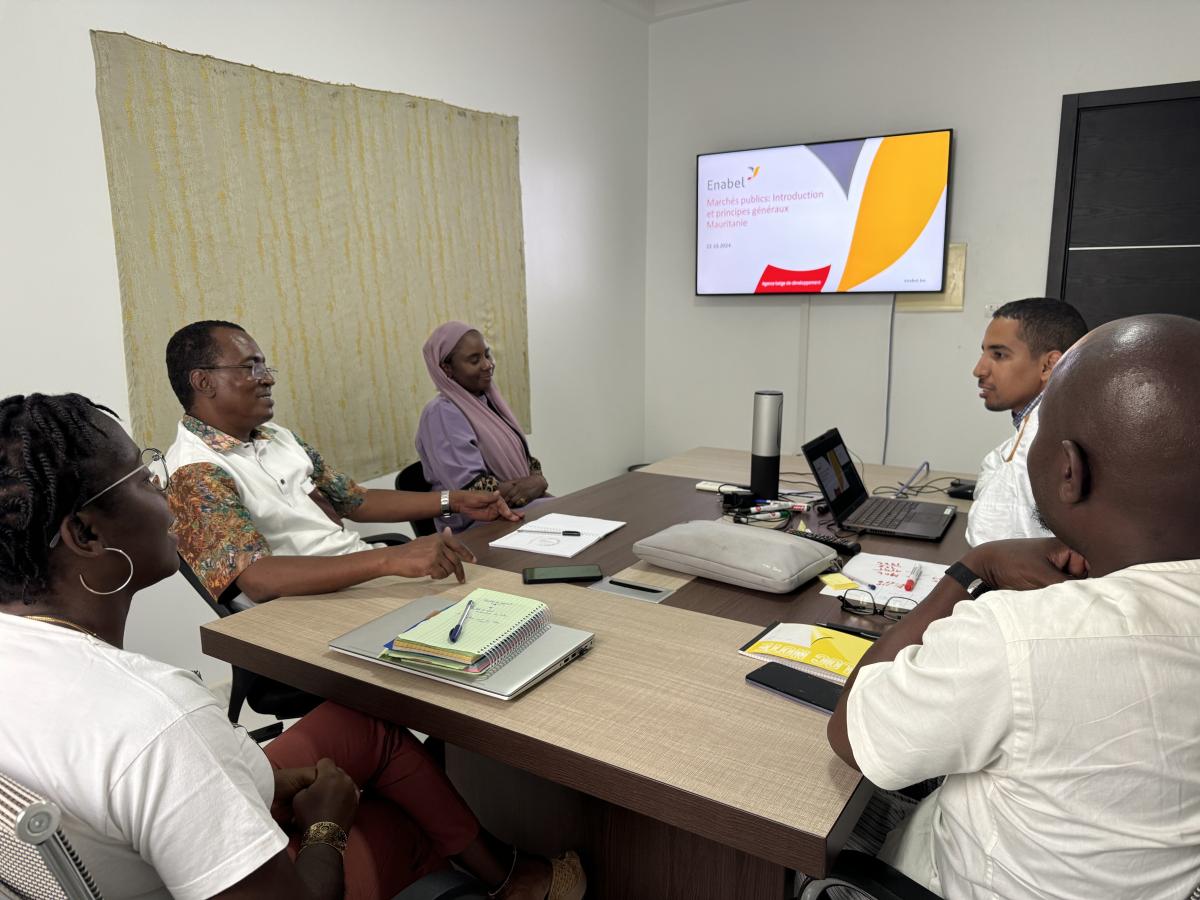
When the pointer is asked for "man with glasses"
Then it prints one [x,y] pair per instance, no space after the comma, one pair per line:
[258,509]
[1056,688]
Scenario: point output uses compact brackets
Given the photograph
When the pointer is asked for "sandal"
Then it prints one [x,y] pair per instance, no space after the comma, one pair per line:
[567,879]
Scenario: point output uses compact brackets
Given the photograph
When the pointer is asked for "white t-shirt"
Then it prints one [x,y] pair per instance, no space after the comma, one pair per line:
[1067,724]
[161,795]
[1004,507]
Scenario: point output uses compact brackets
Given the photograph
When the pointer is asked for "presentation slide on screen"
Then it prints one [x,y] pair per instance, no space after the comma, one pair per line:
[864,215]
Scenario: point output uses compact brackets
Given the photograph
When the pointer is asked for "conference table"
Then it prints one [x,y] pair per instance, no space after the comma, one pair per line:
[651,755]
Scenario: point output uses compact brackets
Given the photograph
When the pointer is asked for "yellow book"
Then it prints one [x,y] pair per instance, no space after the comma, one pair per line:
[823,652]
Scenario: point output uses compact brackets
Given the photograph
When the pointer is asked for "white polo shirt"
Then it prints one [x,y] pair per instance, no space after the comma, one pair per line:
[1003,507]
[237,501]
[1067,724]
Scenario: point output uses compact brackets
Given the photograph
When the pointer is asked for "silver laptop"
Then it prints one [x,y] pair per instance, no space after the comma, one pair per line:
[558,646]
[853,509]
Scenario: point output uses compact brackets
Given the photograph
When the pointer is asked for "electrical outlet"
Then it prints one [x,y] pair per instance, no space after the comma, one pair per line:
[950,299]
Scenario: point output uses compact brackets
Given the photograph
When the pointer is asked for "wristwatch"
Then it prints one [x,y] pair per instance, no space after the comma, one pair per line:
[971,583]
[330,833]
[446,505]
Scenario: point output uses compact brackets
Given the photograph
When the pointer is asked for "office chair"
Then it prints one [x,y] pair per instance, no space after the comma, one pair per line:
[265,695]
[860,876]
[412,478]
[37,861]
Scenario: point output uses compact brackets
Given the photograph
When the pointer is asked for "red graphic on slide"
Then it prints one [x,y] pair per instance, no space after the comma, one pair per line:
[788,281]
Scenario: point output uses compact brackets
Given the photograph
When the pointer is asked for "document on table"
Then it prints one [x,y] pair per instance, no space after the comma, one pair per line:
[549,535]
[885,576]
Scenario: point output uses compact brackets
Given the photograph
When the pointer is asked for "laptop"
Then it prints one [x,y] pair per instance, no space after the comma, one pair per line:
[852,507]
[557,647]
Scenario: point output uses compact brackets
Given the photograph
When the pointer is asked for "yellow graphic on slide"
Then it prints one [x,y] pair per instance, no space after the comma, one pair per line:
[906,181]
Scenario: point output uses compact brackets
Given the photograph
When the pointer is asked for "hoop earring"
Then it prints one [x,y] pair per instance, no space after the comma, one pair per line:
[124,584]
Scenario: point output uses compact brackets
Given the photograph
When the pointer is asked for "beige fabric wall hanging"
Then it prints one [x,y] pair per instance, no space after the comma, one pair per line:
[338,225]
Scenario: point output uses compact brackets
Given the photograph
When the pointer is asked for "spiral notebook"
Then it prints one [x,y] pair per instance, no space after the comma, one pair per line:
[557,646]
[498,627]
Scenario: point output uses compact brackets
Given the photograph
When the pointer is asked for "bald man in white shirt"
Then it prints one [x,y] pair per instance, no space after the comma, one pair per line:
[1053,681]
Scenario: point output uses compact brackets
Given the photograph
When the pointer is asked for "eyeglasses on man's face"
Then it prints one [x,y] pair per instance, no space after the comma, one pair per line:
[257,371]
[152,463]
[864,603]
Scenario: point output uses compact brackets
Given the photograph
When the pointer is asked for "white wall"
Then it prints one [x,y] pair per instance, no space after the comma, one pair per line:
[573,71]
[780,71]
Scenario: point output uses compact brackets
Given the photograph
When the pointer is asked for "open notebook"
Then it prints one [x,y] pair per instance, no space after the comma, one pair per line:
[556,534]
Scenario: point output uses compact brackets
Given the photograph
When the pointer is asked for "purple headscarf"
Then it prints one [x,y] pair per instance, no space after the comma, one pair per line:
[496,428]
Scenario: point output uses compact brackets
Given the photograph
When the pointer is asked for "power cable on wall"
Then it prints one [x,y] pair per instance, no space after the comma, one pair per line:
[887,401]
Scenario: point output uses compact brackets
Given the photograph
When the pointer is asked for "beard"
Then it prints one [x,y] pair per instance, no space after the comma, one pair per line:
[1040,519]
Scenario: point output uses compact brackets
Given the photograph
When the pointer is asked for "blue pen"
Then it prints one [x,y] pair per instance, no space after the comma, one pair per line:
[456,631]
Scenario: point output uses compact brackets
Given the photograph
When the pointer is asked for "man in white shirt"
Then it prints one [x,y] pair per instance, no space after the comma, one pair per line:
[257,507]
[1061,708]
[1021,346]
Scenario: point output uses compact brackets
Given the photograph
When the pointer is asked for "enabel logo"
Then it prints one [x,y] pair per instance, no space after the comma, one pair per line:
[730,184]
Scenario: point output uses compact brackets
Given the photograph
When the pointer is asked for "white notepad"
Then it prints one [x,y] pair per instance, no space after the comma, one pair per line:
[545,535]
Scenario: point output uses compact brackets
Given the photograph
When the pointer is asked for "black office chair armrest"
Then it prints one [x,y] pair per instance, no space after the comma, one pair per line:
[266,733]
[391,538]
[448,884]
[412,478]
[867,874]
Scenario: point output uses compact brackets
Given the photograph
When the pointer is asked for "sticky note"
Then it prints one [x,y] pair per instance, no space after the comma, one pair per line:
[838,582]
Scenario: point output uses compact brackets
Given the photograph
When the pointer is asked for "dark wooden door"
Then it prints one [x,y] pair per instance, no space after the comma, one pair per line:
[1125,237]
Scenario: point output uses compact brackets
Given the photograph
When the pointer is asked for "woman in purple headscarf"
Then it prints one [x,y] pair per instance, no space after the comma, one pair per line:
[468,438]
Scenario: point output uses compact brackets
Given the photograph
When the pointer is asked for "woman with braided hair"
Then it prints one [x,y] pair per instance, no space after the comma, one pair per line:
[160,795]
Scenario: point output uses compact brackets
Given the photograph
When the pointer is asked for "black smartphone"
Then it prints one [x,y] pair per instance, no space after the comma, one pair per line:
[548,574]
[796,685]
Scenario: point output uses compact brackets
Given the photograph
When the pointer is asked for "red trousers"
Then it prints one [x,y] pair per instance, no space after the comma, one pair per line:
[410,818]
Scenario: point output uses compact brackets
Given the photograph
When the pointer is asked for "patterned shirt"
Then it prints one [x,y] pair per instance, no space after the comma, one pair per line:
[1018,415]
[236,502]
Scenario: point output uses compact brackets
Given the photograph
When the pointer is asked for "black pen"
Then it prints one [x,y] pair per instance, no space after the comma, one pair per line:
[550,531]
[857,632]
[636,587]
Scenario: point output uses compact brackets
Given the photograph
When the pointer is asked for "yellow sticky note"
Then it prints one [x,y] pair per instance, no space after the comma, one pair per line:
[838,582]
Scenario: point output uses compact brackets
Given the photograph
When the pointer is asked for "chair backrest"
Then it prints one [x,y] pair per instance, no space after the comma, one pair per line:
[412,478]
[266,696]
[36,859]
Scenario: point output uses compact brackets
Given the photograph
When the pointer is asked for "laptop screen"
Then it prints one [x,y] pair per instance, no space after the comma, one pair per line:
[835,473]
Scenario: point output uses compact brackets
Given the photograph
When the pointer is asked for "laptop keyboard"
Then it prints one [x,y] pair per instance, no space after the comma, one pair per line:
[882,512]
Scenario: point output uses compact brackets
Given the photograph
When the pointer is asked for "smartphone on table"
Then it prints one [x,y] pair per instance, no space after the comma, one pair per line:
[549,574]
[796,685]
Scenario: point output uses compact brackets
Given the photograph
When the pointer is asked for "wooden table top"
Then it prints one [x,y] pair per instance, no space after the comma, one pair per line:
[657,718]
[664,493]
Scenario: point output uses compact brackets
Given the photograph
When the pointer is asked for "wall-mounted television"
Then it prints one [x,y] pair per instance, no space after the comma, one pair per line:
[860,216]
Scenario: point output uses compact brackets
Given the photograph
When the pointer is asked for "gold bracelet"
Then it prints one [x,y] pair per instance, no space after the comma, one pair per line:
[330,833]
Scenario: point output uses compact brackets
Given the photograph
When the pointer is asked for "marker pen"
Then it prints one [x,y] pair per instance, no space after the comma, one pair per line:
[912,577]
[768,507]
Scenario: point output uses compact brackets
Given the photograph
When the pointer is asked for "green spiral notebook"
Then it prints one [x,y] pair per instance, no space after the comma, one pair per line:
[499,627]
